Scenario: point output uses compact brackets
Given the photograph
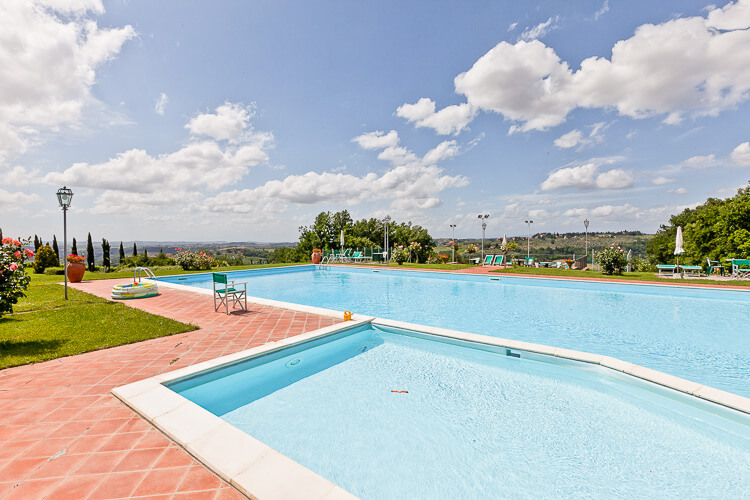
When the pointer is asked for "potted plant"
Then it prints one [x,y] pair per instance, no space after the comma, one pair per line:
[317,256]
[76,268]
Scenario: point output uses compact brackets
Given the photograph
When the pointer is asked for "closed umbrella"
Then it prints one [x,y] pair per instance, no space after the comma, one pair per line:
[630,253]
[678,250]
[342,238]
[505,242]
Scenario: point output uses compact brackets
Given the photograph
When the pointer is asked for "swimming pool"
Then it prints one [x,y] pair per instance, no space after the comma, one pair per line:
[389,413]
[693,333]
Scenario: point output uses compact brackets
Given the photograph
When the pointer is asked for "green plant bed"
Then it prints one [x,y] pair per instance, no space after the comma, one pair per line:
[45,326]
[445,267]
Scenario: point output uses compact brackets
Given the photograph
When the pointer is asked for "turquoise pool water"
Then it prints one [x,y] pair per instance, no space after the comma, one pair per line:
[697,334]
[475,423]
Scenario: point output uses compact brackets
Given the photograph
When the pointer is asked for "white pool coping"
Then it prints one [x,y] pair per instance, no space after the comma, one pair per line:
[259,471]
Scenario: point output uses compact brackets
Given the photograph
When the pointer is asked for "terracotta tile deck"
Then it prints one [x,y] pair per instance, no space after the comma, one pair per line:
[63,435]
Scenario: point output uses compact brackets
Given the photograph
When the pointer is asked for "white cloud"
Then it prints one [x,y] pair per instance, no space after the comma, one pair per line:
[678,191]
[410,187]
[700,162]
[741,155]
[540,29]
[377,140]
[446,149]
[661,180]
[512,26]
[599,13]
[14,202]
[684,67]
[18,176]
[229,122]
[587,177]
[449,120]
[201,164]
[569,140]
[50,52]
[161,104]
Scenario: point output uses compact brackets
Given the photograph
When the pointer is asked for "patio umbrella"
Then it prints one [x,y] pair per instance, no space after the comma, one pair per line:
[505,242]
[630,253]
[678,250]
[342,238]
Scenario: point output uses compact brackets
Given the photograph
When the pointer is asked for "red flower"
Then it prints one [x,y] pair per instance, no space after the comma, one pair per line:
[29,253]
[17,243]
[13,267]
[7,241]
[17,254]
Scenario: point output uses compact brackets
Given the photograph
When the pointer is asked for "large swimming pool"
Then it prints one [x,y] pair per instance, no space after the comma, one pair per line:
[696,334]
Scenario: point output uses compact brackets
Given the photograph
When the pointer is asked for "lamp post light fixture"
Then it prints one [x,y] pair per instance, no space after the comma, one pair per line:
[453,229]
[483,218]
[586,224]
[528,241]
[64,197]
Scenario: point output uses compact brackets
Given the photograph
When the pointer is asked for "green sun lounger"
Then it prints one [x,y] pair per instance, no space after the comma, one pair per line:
[488,260]
[666,269]
[692,270]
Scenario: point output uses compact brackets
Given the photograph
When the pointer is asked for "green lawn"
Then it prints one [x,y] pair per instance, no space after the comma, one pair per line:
[45,326]
[647,276]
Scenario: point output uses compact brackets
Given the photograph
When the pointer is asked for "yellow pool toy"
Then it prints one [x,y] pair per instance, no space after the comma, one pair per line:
[134,291]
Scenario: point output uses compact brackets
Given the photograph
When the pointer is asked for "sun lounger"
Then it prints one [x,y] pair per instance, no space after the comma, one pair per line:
[692,270]
[488,260]
[666,269]
[741,268]
[498,260]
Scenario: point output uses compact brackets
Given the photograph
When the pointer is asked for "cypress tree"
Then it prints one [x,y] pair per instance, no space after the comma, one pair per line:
[37,243]
[74,249]
[55,248]
[90,254]
[145,253]
[105,256]
[1,233]
[135,250]
[122,253]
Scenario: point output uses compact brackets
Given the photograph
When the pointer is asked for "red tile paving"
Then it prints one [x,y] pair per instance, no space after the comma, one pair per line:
[63,435]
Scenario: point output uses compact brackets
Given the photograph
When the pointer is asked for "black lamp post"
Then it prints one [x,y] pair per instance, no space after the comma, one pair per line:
[64,197]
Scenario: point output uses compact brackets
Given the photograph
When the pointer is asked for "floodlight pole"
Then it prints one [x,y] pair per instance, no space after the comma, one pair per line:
[483,218]
[586,223]
[386,239]
[453,229]
[528,241]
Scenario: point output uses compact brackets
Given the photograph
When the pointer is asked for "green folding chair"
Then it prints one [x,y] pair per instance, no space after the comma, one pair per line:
[226,291]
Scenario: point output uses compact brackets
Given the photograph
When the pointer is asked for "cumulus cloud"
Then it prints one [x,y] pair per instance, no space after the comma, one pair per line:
[540,29]
[683,67]
[14,202]
[444,150]
[161,104]
[197,165]
[229,122]
[410,187]
[569,140]
[377,140]
[449,120]
[741,155]
[678,191]
[587,176]
[50,52]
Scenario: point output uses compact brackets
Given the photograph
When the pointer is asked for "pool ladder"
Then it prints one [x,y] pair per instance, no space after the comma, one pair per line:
[137,274]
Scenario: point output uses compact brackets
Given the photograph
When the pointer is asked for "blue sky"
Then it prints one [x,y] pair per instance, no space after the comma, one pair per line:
[187,120]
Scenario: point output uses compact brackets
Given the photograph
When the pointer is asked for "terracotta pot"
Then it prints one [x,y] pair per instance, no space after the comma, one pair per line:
[316,257]
[75,271]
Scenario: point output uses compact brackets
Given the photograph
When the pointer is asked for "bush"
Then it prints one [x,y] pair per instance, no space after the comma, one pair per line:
[194,261]
[45,258]
[54,271]
[639,265]
[400,254]
[13,279]
[612,260]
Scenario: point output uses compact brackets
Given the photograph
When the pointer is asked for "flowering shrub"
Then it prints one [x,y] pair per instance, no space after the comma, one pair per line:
[75,259]
[442,258]
[316,250]
[400,254]
[471,249]
[13,279]
[414,249]
[194,261]
[612,260]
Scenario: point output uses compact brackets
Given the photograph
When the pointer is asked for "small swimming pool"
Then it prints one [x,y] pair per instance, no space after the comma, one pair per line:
[389,413]
[693,333]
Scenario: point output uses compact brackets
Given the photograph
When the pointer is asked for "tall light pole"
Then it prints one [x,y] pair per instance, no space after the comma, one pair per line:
[586,224]
[483,218]
[528,241]
[64,197]
[453,229]
[386,239]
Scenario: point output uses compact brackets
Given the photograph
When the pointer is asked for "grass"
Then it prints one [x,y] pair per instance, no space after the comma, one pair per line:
[45,326]
[642,276]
